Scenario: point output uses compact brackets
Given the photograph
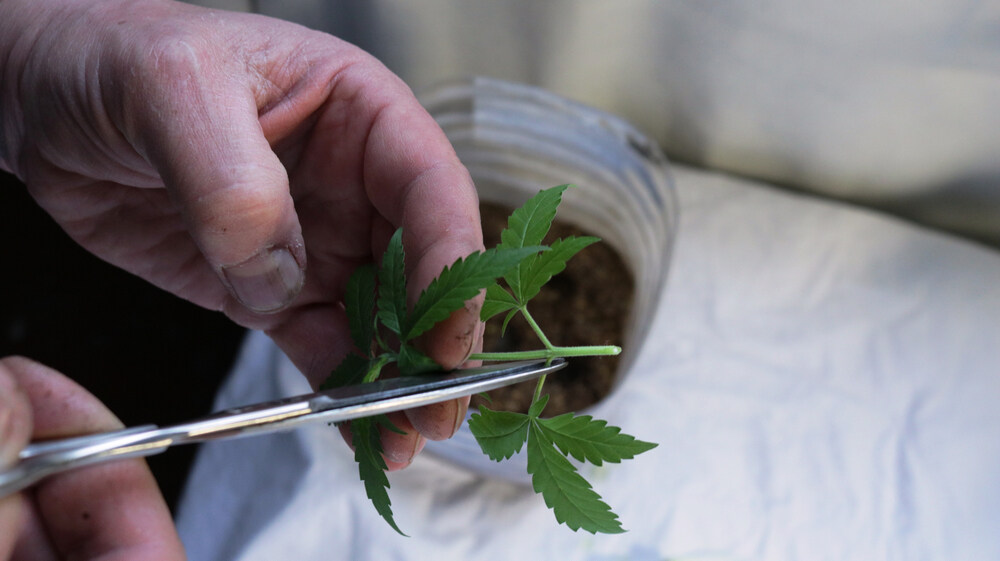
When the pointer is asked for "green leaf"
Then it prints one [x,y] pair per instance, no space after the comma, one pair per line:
[537,270]
[360,304]
[537,407]
[497,301]
[500,434]
[411,361]
[527,226]
[506,321]
[384,421]
[371,466]
[460,282]
[588,439]
[350,371]
[565,491]
[375,365]
[392,285]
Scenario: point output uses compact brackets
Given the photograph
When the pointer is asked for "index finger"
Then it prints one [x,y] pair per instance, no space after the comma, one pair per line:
[414,179]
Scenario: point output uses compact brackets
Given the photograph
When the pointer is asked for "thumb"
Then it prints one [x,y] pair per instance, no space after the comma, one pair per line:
[207,144]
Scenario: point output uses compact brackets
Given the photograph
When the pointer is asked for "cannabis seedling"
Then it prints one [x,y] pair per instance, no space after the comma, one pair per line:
[376,307]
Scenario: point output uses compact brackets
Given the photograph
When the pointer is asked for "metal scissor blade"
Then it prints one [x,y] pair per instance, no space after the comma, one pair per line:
[362,400]
[42,459]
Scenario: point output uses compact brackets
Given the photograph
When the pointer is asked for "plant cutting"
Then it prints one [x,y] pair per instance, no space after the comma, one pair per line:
[512,273]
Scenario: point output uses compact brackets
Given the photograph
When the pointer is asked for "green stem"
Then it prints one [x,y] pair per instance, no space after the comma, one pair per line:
[376,368]
[548,354]
[538,389]
[535,328]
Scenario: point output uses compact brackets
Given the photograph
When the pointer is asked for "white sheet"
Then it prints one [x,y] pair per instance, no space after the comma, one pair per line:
[823,382]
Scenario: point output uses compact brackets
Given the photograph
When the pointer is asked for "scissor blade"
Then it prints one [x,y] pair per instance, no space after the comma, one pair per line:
[362,400]
[41,459]
[429,388]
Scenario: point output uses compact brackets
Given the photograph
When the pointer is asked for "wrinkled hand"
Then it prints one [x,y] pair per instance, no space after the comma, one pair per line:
[110,512]
[243,163]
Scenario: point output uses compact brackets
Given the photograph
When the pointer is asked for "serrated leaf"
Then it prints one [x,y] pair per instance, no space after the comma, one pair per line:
[350,371]
[460,282]
[371,466]
[592,440]
[497,301]
[392,285]
[375,365]
[537,270]
[500,434]
[537,407]
[411,361]
[384,421]
[506,321]
[527,226]
[359,301]
[565,491]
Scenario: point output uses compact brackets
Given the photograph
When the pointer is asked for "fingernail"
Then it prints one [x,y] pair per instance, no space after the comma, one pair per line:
[7,452]
[459,418]
[268,281]
[417,447]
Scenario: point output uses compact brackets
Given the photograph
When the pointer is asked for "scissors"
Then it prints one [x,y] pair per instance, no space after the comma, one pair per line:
[41,459]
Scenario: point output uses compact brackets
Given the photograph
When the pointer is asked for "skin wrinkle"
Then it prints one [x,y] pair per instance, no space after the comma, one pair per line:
[325,126]
[337,83]
[86,226]
[98,119]
[302,76]
[287,142]
[173,233]
[121,46]
[107,140]
[62,182]
[266,67]
[319,118]
[118,150]
[26,42]
[170,59]
[110,84]
[255,206]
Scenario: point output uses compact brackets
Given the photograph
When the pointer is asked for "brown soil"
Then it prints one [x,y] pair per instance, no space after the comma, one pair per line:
[587,304]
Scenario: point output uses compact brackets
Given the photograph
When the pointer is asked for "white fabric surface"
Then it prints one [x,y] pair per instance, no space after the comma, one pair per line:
[823,382]
[894,104]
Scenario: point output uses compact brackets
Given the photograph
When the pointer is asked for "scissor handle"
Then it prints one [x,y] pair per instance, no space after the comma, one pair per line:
[42,459]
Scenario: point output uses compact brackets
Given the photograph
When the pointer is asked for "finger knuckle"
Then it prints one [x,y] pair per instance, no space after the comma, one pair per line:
[241,209]
[175,54]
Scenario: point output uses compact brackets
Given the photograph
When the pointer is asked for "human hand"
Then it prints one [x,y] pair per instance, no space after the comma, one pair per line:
[110,511]
[243,163]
